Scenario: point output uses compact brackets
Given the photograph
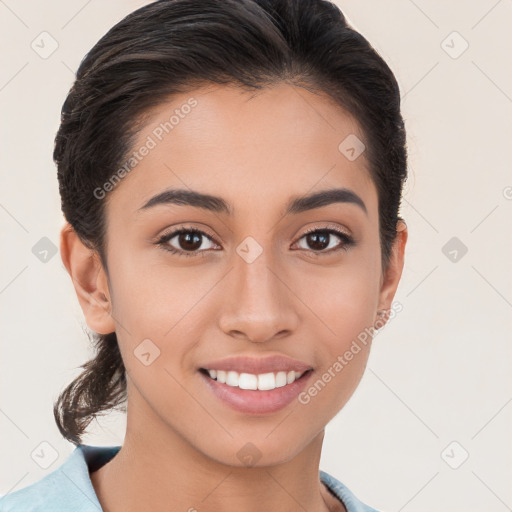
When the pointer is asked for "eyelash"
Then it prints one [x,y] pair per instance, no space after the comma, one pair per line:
[347,240]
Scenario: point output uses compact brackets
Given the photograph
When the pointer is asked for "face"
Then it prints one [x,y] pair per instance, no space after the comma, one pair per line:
[243,284]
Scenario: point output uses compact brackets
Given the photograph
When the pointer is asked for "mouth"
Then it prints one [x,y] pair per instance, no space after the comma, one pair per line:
[255,393]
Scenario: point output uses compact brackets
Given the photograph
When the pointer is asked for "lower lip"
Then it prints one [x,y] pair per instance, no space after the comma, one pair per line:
[251,401]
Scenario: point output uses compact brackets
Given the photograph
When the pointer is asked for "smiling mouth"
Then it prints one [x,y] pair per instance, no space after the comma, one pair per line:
[257,382]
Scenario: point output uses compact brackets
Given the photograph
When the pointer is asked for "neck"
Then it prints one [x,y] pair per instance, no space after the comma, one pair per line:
[165,472]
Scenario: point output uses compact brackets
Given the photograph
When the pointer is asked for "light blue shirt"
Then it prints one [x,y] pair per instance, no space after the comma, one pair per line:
[69,489]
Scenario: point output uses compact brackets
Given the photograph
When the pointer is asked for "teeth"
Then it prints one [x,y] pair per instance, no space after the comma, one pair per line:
[280,379]
[232,379]
[247,381]
[266,381]
[262,381]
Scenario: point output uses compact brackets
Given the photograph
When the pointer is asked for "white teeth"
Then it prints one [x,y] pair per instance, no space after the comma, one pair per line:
[280,379]
[248,381]
[232,379]
[262,381]
[266,381]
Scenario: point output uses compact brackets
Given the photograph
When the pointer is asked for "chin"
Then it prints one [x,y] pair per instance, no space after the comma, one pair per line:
[263,450]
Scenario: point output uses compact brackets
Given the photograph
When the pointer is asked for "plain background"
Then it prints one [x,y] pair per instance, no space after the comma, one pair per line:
[439,373]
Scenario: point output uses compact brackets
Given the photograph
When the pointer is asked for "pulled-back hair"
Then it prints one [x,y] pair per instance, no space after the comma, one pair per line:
[172,46]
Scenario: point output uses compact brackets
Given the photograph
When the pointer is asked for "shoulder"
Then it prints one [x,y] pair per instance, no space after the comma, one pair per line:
[344,494]
[66,488]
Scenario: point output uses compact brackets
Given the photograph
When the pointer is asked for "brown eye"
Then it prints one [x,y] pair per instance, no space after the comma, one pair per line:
[324,240]
[188,242]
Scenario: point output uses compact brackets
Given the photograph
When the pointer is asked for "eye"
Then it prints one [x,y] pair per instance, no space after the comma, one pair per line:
[188,242]
[321,239]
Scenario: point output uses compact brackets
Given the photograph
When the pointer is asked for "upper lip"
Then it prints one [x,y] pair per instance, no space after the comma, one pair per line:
[256,365]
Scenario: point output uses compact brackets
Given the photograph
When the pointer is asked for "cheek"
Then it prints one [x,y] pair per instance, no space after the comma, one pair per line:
[167,306]
[342,301]
[342,314]
[148,291]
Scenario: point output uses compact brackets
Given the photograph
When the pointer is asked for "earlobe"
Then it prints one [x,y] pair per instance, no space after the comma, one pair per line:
[393,273]
[89,280]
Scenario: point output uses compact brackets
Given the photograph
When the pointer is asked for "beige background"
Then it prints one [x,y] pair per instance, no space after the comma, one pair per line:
[439,372]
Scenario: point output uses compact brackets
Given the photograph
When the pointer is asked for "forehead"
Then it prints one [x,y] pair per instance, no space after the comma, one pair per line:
[245,146]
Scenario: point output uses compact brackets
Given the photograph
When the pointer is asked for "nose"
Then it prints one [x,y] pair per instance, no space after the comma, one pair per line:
[259,304]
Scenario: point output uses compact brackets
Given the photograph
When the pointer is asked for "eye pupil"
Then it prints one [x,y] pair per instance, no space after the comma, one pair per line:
[185,241]
[315,237]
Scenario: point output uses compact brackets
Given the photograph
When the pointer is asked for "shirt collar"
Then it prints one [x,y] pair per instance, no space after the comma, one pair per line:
[74,486]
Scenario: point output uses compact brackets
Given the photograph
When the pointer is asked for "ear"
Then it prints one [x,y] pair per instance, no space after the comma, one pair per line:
[391,276]
[89,279]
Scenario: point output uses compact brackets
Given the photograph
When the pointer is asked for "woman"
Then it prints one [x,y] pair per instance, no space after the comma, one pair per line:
[231,174]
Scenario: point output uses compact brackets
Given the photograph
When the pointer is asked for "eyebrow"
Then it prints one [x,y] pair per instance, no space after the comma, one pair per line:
[296,205]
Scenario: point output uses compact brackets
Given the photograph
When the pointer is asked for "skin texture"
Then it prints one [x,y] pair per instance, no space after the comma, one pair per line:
[255,150]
